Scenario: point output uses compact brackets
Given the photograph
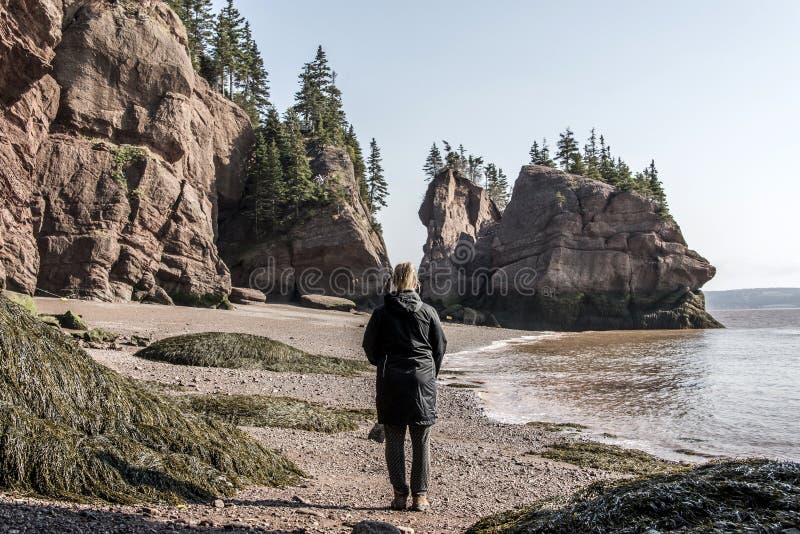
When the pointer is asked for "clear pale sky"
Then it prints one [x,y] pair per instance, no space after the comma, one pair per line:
[710,89]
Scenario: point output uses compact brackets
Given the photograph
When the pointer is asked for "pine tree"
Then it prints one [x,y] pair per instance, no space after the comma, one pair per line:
[490,177]
[624,178]
[591,157]
[227,43]
[656,188]
[541,155]
[376,182]
[433,163]
[496,185]
[500,194]
[357,157]
[300,187]
[568,153]
[545,155]
[535,153]
[198,19]
[451,158]
[266,187]
[319,102]
[474,167]
[608,171]
[251,78]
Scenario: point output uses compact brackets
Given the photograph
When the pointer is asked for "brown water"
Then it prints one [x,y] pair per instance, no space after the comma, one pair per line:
[680,394]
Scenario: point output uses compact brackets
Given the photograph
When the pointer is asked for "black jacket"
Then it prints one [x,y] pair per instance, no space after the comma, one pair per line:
[404,339]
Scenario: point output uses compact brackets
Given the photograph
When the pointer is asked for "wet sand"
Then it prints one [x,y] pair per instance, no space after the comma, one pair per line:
[479,466]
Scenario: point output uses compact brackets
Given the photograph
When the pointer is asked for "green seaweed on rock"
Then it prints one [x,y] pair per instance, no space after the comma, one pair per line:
[283,412]
[245,351]
[73,429]
[731,496]
[610,458]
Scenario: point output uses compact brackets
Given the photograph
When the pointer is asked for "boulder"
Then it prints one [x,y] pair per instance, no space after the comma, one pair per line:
[380,527]
[568,253]
[245,295]
[326,302]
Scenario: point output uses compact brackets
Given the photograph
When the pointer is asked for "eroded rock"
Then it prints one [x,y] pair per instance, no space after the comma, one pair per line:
[568,253]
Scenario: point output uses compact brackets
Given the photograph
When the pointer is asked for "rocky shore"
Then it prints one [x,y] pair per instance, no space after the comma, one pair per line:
[480,467]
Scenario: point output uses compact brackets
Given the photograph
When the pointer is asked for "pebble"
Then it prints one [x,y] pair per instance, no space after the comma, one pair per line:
[219,503]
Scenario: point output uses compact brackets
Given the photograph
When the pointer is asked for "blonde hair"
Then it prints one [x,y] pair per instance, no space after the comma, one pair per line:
[405,277]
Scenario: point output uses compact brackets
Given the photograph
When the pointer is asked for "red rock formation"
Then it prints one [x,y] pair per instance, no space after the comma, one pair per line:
[568,253]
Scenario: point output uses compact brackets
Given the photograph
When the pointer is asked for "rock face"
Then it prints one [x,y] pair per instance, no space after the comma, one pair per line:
[569,253]
[116,155]
[334,251]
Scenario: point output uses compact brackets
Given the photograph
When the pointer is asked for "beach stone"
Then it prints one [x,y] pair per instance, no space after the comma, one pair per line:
[326,302]
[219,503]
[380,527]
[245,295]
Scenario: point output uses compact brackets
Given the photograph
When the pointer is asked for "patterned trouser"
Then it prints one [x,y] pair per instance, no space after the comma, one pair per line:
[421,458]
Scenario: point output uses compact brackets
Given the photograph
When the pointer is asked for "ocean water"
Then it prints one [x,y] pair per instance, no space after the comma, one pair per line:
[686,395]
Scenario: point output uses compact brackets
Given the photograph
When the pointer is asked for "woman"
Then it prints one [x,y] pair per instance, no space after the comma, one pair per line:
[404,339]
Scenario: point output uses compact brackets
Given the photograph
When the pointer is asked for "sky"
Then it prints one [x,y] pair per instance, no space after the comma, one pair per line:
[709,89]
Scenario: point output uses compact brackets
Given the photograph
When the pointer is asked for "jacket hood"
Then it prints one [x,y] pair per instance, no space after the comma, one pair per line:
[403,301]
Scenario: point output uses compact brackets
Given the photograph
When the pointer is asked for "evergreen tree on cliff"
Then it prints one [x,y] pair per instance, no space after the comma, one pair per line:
[252,78]
[433,163]
[318,102]
[541,155]
[569,156]
[496,185]
[377,187]
[591,157]
[608,171]
[357,157]
[266,187]
[474,168]
[198,19]
[227,45]
[299,185]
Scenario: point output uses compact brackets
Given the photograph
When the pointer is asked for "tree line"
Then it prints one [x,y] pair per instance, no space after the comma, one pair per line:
[281,187]
[488,175]
[597,162]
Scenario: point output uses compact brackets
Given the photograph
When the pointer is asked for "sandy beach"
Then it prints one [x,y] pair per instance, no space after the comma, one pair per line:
[479,466]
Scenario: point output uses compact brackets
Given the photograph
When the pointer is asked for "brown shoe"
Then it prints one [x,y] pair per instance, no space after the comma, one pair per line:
[400,501]
[420,503]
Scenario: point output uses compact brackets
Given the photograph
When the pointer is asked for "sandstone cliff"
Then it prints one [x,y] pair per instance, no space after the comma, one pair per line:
[568,253]
[118,165]
[334,250]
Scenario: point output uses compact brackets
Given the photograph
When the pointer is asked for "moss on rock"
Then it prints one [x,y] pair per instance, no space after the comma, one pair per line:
[610,458]
[73,429]
[245,351]
[732,496]
[283,412]
[26,301]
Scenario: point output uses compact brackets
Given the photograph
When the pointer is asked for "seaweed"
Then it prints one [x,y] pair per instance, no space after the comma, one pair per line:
[610,458]
[754,495]
[245,351]
[73,429]
[556,427]
[283,412]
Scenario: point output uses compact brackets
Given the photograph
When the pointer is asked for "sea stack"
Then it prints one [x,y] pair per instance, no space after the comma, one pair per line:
[568,253]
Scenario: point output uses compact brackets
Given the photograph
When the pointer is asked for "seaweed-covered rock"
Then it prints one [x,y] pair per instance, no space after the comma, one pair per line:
[245,351]
[73,429]
[731,496]
[282,412]
[71,320]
